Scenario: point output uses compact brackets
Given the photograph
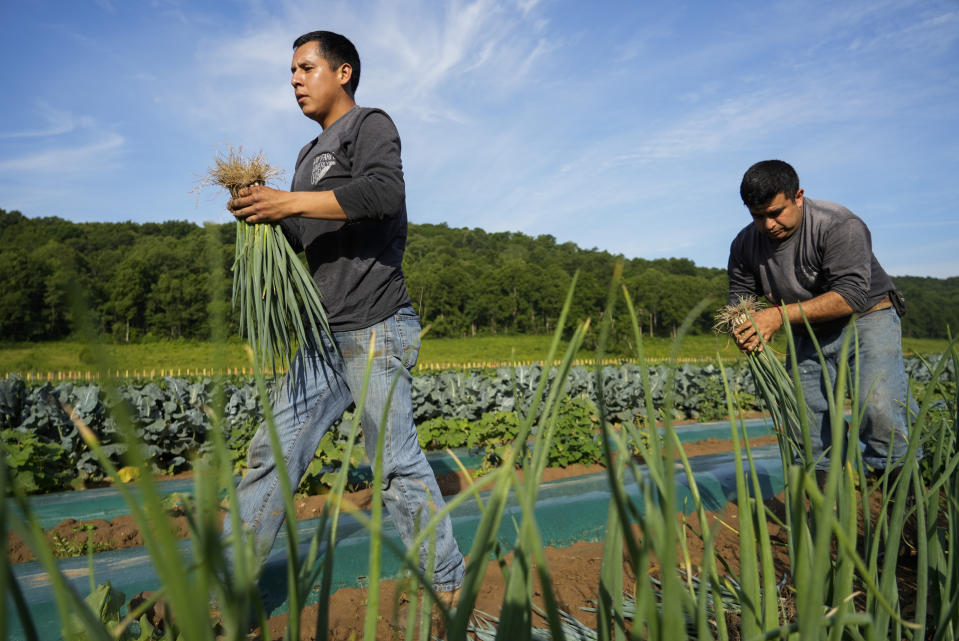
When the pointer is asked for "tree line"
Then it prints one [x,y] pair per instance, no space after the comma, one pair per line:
[143,281]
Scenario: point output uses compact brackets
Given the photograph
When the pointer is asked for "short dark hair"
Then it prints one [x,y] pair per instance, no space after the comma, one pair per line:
[767,178]
[336,49]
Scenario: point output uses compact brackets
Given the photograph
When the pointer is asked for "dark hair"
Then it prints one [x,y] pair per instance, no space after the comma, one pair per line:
[767,178]
[336,49]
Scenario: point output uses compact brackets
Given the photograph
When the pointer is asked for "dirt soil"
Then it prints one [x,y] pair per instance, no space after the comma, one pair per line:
[575,573]
[575,577]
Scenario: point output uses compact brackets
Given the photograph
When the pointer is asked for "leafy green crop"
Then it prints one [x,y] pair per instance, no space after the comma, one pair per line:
[452,409]
[576,439]
[36,465]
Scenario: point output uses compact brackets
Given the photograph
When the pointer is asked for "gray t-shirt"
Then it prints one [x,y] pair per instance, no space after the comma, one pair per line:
[830,252]
[357,264]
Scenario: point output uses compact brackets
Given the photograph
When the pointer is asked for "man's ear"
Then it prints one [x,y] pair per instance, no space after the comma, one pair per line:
[344,74]
[799,197]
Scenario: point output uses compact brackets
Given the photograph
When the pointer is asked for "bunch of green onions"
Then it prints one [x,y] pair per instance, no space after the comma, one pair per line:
[772,380]
[277,297]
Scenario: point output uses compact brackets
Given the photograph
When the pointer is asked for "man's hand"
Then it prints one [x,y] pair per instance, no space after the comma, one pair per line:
[267,205]
[825,307]
[765,323]
[261,204]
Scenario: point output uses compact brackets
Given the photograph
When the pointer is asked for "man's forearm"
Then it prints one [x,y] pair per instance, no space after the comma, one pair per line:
[262,204]
[319,204]
[822,308]
[766,322]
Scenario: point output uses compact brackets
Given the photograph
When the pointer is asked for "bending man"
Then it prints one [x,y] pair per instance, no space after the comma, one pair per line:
[817,256]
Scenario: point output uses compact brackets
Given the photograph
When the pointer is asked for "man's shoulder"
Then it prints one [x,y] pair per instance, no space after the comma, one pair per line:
[825,216]
[364,112]
[370,125]
[829,212]
[347,128]
[349,124]
[360,116]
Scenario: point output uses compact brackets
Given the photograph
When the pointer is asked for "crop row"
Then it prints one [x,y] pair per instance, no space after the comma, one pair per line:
[172,415]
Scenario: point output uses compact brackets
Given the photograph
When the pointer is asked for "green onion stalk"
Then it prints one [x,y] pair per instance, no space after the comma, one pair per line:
[773,382]
[277,299]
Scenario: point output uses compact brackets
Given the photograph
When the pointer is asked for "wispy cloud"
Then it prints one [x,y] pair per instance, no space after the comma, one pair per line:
[427,63]
[526,6]
[719,126]
[172,9]
[239,84]
[65,161]
[935,33]
[57,122]
[425,60]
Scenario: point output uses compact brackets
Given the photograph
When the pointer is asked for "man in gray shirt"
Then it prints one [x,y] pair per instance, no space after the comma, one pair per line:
[815,258]
[347,211]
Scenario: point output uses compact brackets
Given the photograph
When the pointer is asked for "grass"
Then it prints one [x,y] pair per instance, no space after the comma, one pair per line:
[69,356]
[65,356]
[914,346]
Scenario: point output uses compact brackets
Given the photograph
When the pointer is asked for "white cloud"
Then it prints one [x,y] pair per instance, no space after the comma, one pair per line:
[239,84]
[526,6]
[58,122]
[900,26]
[421,60]
[439,65]
[173,10]
[65,161]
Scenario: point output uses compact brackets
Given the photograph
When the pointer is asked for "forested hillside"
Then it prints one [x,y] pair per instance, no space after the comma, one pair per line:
[151,280]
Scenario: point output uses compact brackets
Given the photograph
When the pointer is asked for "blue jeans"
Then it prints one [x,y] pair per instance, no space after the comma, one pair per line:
[312,396]
[882,387]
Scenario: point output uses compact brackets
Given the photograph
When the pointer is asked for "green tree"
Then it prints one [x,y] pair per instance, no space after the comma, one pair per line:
[21,296]
[151,279]
[63,281]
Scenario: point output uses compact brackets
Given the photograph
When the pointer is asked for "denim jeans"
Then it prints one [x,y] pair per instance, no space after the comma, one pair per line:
[315,393]
[883,389]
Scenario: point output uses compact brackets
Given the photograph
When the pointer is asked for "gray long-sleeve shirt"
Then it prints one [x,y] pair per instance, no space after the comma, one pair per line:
[830,252]
[357,264]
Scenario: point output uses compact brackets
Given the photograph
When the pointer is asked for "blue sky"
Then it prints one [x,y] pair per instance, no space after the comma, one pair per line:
[624,126]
